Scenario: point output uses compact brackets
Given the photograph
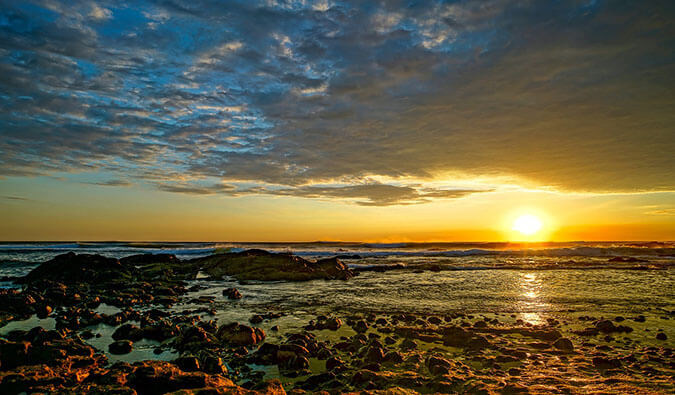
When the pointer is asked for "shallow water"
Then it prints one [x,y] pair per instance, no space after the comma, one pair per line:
[532,282]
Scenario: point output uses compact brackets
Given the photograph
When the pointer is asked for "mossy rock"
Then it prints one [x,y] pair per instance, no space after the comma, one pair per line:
[266,266]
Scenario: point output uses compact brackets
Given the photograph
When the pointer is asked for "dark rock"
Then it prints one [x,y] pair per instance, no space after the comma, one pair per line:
[128,332]
[79,268]
[333,323]
[564,344]
[268,266]
[393,357]
[333,363]
[187,363]
[121,347]
[256,319]
[408,344]
[213,364]
[360,326]
[514,372]
[144,259]
[294,363]
[266,354]
[606,363]
[232,293]
[661,336]
[438,366]
[43,311]
[374,354]
[240,335]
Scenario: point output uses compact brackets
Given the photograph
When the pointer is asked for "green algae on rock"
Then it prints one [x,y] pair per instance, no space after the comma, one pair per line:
[267,266]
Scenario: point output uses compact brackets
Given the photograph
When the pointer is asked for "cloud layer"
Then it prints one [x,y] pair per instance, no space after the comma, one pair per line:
[319,99]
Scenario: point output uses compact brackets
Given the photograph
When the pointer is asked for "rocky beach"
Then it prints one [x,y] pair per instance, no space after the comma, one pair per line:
[255,321]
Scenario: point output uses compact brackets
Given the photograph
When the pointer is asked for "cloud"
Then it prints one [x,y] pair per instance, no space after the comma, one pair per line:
[193,189]
[112,183]
[662,211]
[99,13]
[19,198]
[370,194]
[569,95]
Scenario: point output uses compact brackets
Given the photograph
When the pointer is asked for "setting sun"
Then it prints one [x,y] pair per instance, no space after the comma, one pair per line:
[527,224]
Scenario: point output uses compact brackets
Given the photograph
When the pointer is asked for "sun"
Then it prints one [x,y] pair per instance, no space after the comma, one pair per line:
[527,224]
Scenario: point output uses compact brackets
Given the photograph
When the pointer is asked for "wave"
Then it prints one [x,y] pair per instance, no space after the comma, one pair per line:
[29,251]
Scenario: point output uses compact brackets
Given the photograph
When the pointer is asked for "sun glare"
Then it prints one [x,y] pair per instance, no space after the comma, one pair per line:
[527,224]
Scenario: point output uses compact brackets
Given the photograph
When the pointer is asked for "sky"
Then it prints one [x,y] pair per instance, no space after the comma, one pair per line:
[336,120]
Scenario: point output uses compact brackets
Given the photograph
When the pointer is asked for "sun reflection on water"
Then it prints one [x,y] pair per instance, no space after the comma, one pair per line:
[530,303]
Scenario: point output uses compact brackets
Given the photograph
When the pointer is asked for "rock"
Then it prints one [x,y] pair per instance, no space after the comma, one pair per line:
[514,388]
[240,335]
[393,357]
[333,363]
[213,364]
[266,354]
[43,311]
[603,363]
[374,354]
[128,332]
[144,259]
[438,366]
[159,377]
[232,293]
[314,382]
[294,363]
[564,344]
[13,354]
[74,268]
[408,344]
[275,328]
[294,349]
[514,372]
[480,324]
[661,336]
[268,266]
[605,326]
[187,363]
[256,319]
[360,326]
[333,323]
[121,347]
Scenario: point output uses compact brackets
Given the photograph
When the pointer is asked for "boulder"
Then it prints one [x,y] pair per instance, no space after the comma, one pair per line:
[72,268]
[232,293]
[240,335]
[121,347]
[564,344]
[268,266]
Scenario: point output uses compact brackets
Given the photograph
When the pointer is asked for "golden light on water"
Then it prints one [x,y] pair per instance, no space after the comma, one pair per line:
[531,304]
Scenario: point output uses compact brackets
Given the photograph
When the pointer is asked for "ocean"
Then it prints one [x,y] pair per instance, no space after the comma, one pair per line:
[544,285]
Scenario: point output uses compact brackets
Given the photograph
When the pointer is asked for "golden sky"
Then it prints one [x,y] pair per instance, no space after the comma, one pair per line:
[337,120]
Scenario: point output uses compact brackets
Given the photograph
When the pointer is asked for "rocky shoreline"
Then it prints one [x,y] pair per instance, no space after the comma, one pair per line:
[352,352]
